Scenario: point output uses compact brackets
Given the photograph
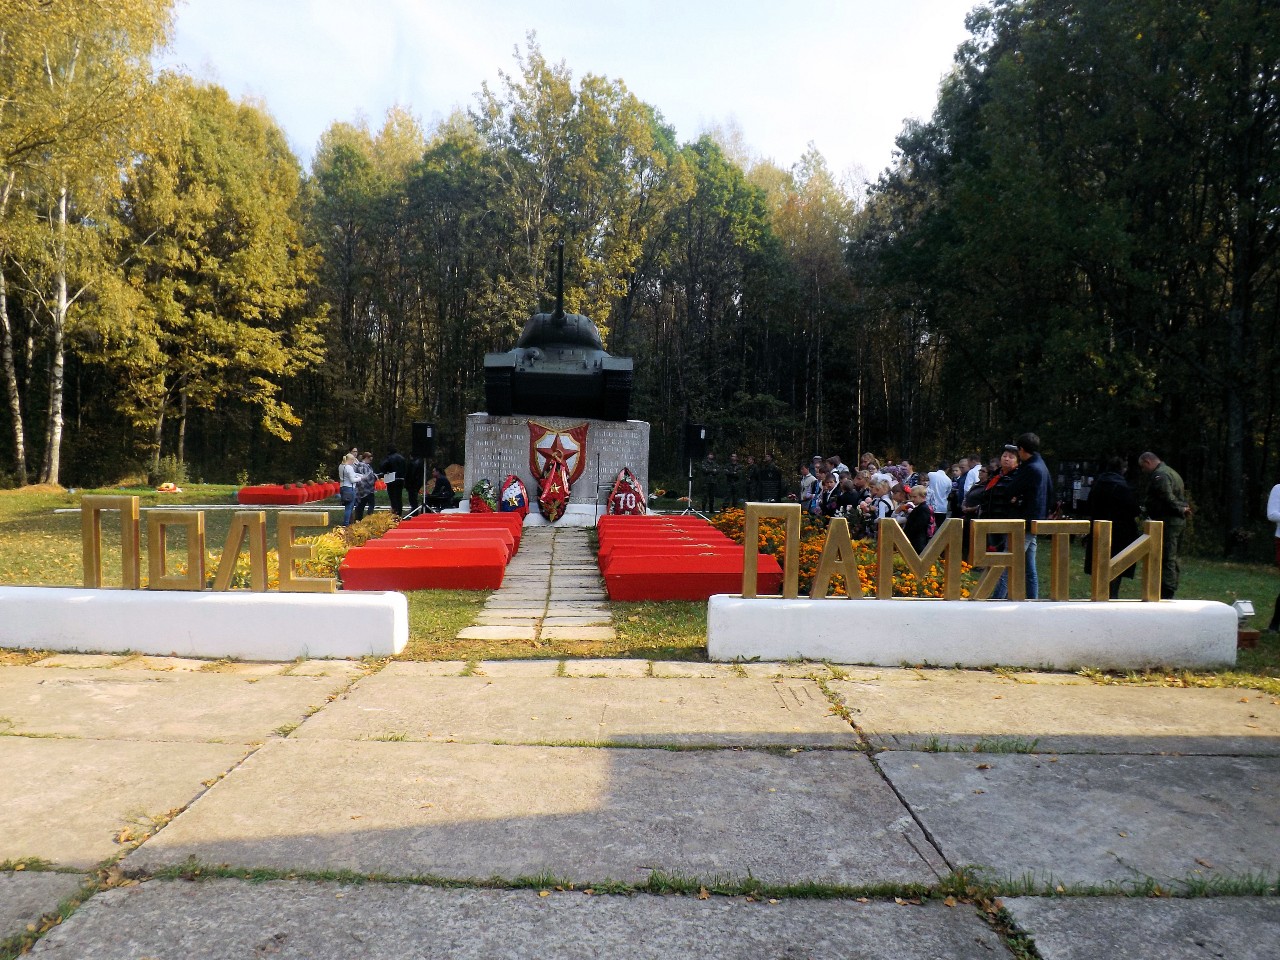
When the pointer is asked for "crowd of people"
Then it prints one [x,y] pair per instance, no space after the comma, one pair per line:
[358,479]
[1014,484]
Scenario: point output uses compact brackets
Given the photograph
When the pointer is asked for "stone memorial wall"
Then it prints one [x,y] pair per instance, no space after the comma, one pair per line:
[497,446]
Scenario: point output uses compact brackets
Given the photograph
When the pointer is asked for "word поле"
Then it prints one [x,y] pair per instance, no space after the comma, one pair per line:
[245,524]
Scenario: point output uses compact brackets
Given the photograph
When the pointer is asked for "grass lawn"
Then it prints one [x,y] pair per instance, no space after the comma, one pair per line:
[41,547]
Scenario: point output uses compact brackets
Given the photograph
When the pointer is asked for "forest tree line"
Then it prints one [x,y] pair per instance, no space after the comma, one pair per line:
[1081,241]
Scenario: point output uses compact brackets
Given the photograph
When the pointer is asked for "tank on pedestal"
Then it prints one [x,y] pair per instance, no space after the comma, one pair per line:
[559,367]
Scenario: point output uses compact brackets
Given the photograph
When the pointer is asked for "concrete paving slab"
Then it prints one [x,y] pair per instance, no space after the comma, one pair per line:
[65,800]
[1079,819]
[1079,928]
[525,708]
[343,669]
[294,920]
[517,668]
[578,633]
[246,671]
[80,661]
[122,704]
[634,669]
[598,620]
[532,591]
[497,602]
[958,708]
[785,670]
[527,612]
[511,632]
[578,608]
[430,668]
[28,895]
[500,618]
[691,668]
[165,664]
[1061,679]
[583,814]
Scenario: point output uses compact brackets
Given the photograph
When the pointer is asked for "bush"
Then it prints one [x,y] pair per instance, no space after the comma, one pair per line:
[168,470]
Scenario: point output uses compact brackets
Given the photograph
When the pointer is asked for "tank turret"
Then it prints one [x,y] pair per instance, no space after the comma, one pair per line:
[559,367]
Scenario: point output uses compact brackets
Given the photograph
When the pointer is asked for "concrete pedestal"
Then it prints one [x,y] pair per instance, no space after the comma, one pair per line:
[237,623]
[497,446]
[1115,635]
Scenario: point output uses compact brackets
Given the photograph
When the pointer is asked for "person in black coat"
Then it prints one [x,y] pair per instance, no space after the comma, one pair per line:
[920,524]
[1113,498]
[397,464]
[440,496]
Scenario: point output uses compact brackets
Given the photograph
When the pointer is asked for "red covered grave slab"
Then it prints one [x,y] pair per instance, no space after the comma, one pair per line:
[658,546]
[473,521]
[459,535]
[687,576]
[459,566]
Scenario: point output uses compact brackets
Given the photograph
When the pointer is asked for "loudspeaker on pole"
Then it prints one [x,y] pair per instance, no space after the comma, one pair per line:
[695,441]
[424,440]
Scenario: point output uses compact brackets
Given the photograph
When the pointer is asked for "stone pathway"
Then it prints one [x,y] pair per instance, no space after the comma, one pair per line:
[552,591]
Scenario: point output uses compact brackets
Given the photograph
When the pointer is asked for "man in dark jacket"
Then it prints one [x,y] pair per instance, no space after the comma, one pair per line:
[1112,498]
[397,464]
[1030,496]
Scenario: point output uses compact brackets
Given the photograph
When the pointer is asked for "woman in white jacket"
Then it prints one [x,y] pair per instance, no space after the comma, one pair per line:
[1273,514]
[347,487]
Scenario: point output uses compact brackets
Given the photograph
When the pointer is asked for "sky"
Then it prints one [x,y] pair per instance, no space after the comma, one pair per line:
[842,74]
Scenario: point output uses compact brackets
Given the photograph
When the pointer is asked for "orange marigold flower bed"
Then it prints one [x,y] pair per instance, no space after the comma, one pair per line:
[813,539]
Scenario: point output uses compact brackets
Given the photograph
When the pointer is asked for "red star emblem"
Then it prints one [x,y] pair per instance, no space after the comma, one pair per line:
[555,450]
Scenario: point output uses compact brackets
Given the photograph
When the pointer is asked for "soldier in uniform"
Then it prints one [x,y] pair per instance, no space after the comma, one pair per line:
[732,481]
[1164,498]
[753,479]
[770,480]
[710,482]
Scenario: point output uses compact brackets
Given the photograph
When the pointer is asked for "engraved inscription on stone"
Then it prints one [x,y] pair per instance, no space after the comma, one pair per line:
[497,446]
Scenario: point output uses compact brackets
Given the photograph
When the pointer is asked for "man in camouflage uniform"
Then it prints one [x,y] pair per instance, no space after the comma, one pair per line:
[732,482]
[1164,498]
[711,475]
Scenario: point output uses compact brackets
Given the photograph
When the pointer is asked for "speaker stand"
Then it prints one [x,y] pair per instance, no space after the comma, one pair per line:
[422,496]
[689,497]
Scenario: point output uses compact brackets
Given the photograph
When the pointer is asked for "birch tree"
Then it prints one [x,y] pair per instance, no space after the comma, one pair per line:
[75,95]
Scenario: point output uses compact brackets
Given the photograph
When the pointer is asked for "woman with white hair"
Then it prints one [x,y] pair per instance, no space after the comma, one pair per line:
[347,486]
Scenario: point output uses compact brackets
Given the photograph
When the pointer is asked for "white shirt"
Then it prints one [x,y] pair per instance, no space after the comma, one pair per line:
[969,479]
[936,495]
[1273,507]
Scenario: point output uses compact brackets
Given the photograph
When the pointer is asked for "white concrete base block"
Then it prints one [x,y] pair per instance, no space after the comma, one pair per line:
[247,626]
[1115,635]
